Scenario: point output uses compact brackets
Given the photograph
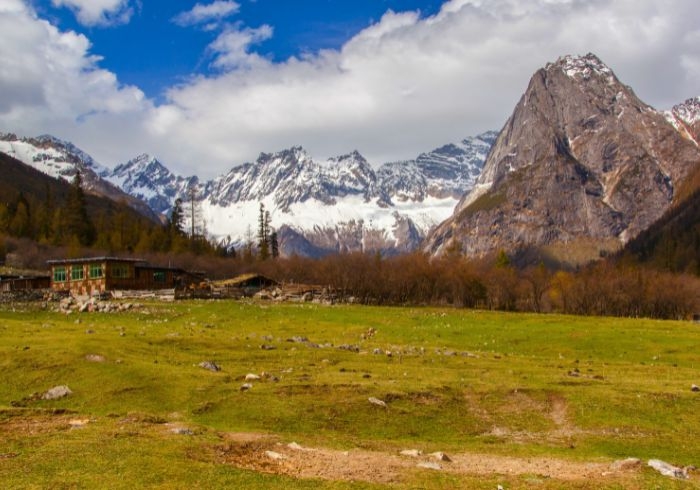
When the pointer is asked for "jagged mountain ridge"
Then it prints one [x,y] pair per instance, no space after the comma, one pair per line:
[340,204]
[61,159]
[581,159]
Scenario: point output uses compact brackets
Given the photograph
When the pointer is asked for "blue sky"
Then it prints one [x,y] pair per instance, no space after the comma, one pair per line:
[153,53]
[205,86]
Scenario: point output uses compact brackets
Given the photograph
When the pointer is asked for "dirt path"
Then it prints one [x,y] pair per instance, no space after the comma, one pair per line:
[267,454]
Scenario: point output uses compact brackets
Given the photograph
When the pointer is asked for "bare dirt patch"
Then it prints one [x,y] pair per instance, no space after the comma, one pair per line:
[267,454]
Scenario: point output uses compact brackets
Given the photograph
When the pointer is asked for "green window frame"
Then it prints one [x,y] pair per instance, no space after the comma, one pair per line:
[59,274]
[159,276]
[95,271]
[77,273]
[120,271]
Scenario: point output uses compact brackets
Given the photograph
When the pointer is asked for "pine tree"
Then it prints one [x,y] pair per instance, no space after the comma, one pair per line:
[77,222]
[263,234]
[274,245]
[176,221]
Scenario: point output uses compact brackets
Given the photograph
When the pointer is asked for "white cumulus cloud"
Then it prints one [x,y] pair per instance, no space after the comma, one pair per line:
[403,85]
[207,13]
[98,12]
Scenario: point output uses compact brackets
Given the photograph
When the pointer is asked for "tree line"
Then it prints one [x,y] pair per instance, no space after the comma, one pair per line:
[79,222]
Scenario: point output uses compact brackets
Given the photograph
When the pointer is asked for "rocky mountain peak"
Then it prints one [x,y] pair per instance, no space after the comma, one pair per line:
[581,159]
[583,67]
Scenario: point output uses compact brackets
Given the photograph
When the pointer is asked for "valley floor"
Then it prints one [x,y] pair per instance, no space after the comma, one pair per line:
[202,394]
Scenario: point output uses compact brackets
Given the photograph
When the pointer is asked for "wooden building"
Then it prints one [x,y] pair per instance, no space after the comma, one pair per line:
[97,275]
[10,283]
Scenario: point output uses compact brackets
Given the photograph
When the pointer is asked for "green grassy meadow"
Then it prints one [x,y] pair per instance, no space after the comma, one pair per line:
[457,381]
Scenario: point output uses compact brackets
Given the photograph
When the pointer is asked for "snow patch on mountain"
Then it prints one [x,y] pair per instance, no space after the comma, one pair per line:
[584,67]
[685,118]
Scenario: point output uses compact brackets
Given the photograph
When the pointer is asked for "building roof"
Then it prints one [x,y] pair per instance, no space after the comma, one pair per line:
[243,278]
[93,259]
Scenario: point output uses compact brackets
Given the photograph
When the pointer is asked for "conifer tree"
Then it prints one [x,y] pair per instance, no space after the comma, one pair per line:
[175,223]
[77,222]
[274,245]
[263,234]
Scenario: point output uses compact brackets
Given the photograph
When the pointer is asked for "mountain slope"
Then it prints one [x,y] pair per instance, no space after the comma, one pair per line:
[61,159]
[673,242]
[582,162]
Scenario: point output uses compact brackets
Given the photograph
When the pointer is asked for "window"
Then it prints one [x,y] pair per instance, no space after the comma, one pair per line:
[159,276]
[120,271]
[95,271]
[77,273]
[59,274]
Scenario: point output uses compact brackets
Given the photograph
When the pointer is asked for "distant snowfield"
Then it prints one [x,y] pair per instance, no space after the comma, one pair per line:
[235,219]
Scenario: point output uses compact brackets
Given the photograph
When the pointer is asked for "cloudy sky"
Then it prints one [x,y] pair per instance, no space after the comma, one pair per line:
[208,85]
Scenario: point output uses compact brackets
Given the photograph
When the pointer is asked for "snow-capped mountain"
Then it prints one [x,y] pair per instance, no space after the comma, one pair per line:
[340,204]
[145,178]
[61,159]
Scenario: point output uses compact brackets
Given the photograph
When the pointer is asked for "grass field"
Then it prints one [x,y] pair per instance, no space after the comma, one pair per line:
[522,401]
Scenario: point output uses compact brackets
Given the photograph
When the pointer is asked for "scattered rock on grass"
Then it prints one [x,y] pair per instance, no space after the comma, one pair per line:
[429,465]
[667,469]
[246,386]
[440,456]
[377,401]
[252,377]
[695,388]
[274,455]
[182,431]
[95,358]
[57,392]
[210,365]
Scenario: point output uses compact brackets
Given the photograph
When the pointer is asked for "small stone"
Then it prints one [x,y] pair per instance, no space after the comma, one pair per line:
[95,358]
[430,465]
[267,347]
[57,392]
[252,377]
[274,455]
[246,386]
[695,388]
[413,453]
[210,365]
[296,447]
[377,401]
[78,423]
[182,431]
[440,456]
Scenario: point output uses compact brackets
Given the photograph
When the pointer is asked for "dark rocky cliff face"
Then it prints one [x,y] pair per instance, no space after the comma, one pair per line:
[581,159]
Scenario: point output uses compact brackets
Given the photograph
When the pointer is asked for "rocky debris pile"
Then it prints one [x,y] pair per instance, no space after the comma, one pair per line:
[87,304]
[26,295]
